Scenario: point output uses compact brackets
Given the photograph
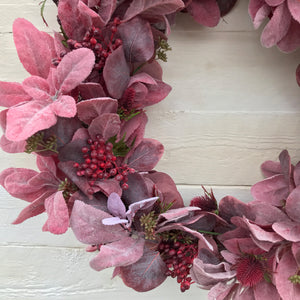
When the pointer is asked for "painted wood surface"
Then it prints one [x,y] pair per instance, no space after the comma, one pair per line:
[234,104]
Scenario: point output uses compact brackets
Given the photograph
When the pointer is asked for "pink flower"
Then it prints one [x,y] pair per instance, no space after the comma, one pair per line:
[283,29]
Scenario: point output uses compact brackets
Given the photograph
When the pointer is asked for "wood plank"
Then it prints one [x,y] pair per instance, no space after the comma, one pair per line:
[39,273]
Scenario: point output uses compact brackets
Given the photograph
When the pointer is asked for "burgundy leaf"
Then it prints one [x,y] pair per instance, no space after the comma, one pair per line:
[116,73]
[137,40]
[146,155]
[145,274]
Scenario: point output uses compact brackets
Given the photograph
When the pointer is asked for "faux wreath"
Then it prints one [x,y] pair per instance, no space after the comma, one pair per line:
[81,112]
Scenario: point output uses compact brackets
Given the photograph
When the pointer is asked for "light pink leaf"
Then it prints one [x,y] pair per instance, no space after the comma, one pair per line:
[58,214]
[37,87]
[116,206]
[86,222]
[26,119]
[146,155]
[137,40]
[88,110]
[293,205]
[277,27]
[205,12]
[290,231]
[114,221]
[12,93]
[73,69]
[116,73]
[145,274]
[32,47]
[120,253]
[12,147]
[261,15]
[154,7]
[46,164]
[291,41]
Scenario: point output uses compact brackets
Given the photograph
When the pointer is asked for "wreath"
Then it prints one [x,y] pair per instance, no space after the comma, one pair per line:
[82,113]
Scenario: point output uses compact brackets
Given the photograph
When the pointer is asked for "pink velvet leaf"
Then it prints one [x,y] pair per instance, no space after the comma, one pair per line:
[146,155]
[205,12]
[26,119]
[88,110]
[157,93]
[32,47]
[46,164]
[120,253]
[277,27]
[154,7]
[12,93]
[58,214]
[109,186]
[270,168]
[37,88]
[114,221]
[64,107]
[116,73]
[106,8]
[137,40]
[145,274]
[297,174]
[107,125]
[86,223]
[12,147]
[261,15]
[291,41]
[254,6]
[74,68]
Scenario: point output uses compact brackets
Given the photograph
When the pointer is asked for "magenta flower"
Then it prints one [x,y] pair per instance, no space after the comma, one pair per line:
[283,28]
[45,190]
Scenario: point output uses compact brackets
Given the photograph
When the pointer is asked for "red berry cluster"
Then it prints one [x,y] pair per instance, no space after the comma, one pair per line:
[102,42]
[100,163]
[178,257]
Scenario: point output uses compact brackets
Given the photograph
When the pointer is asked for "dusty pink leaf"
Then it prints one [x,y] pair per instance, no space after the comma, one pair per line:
[292,206]
[146,155]
[12,93]
[137,40]
[145,274]
[88,110]
[120,253]
[114,221]
[73,69]
[265,290]
[157,93]
[270,168]
[32,47]
[26,119]
[277,27]
[297,174]
[291,41]
[106,8]
[58,214]
[272,190]
[35,208]
[12,147]
[116,73]
[254,6]
[290,231]
[154,7]
[261,15]
[286,268]
[294,7]
[86,222]
[109,186]
[36,87]
[205,12]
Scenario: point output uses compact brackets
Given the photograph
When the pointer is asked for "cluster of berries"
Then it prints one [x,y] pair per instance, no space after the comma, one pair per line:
[100,163]
[179,257]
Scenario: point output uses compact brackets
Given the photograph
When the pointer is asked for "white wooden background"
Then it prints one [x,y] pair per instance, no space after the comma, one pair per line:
[234,104]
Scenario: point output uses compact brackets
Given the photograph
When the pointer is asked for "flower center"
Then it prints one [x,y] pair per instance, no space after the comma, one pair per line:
[249,270]
[100,163]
